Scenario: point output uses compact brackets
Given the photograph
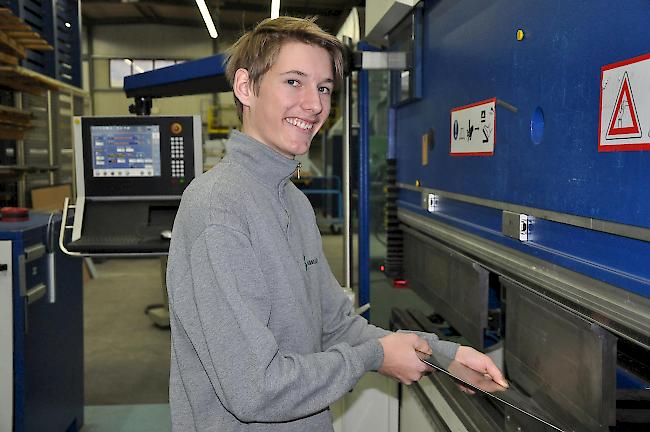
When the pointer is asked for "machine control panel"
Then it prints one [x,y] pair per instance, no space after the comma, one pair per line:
[137,156]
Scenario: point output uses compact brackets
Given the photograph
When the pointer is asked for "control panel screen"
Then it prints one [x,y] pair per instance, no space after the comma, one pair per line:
[126,150]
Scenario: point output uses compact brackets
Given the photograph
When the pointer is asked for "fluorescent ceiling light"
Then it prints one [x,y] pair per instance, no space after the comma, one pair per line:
[205,13]
[275,9]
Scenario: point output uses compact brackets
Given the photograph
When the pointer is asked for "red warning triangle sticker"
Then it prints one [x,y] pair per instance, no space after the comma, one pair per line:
[624,122]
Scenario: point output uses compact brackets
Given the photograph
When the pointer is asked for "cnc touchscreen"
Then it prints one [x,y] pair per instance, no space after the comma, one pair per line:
[125,150]
[473,382]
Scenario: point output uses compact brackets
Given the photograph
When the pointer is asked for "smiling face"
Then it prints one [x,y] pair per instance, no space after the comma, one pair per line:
[293,100]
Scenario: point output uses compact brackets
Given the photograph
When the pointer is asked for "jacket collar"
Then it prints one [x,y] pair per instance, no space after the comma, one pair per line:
[261,161]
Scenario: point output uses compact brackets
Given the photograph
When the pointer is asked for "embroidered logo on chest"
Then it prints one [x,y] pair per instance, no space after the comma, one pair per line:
[309,261]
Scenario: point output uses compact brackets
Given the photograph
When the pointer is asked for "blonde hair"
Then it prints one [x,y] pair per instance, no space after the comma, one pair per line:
[257,50]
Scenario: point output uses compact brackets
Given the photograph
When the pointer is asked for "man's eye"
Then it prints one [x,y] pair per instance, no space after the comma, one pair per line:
[324,90]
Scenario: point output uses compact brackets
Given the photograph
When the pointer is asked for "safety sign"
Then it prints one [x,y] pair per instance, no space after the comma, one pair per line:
[625,105]
[473,129]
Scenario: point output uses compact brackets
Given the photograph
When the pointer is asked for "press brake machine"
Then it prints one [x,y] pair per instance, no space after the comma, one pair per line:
[519,135]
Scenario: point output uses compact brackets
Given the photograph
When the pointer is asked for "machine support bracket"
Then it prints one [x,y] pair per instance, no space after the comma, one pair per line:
[515,225]
[432,202]
[381,60]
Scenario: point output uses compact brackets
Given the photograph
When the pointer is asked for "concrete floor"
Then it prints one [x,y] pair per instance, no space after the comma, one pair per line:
[127,357]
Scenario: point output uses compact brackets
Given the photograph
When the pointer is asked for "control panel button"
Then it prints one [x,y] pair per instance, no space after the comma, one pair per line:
[177,153]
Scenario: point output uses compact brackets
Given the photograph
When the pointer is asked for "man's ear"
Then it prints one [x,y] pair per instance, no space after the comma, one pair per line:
[242,87]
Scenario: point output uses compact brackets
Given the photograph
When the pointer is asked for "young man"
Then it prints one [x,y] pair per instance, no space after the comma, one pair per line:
[263,337]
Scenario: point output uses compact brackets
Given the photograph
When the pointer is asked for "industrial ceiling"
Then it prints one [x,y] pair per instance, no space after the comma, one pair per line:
[231,17]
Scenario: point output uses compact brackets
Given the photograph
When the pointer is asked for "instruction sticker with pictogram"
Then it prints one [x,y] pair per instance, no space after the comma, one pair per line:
[473,129]
[624,123]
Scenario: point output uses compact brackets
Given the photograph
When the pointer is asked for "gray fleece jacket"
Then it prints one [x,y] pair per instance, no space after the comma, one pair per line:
[263,337]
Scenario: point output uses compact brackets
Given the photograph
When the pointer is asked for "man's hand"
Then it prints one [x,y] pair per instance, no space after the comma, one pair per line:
[400,358]
[423,347]
[477,379]
[480,363]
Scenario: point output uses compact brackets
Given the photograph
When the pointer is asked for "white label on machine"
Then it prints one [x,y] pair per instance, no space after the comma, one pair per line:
[624,122]
[473,129]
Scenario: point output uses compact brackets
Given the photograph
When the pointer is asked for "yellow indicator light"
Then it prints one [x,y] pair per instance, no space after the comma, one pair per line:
[520,35]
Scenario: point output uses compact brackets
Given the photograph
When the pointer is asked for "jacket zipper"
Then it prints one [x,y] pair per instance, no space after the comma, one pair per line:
[283,183]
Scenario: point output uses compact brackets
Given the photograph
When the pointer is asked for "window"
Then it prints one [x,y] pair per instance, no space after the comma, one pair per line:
[140,66]
[159,64]
[120,68]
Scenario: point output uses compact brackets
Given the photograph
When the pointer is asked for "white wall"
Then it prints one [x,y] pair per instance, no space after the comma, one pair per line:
[148,41]
[151,41]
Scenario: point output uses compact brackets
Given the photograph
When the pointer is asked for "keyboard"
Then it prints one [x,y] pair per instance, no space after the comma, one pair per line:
[118,244]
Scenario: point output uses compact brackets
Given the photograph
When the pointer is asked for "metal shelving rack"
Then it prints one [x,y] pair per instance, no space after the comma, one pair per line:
[40,79]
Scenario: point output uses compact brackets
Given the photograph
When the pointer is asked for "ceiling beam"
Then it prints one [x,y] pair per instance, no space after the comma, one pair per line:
[293,10]
[210,3]
[251,12]
[160,20]
[147,11]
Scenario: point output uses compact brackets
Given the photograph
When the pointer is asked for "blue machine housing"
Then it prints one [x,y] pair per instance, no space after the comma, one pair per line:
[589,210]
[552,77]
[48,337]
